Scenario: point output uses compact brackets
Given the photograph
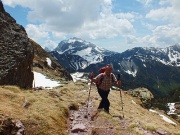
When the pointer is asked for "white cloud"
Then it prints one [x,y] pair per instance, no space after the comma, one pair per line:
[59,35]
[55,20]
[36,32]
[81,18]
[107,27]
[108,1]
[168,13]
[159,14]
[91,18]
[162,36]
[128,16]
[167,35]
[50,44]
[148,25]
[164,2]
[131,39]
[66,15]
[175,4]
[13,3]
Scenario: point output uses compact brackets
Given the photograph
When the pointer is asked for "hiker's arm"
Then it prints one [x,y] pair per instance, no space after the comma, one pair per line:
[117,82]
[95,79]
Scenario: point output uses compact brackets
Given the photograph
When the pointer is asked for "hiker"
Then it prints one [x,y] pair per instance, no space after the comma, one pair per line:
[104,82]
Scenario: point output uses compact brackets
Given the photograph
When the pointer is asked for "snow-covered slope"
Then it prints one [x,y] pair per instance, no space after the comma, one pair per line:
[168,56]
[130,60]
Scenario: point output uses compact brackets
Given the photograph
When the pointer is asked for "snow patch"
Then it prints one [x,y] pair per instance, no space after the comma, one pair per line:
[131,72]
[171,108]
[173,57]
[162,61]
[133,102]
[49,61]
[40,80]
[72,40]
[163,117]
[84,52]
[78,76]
[99,49]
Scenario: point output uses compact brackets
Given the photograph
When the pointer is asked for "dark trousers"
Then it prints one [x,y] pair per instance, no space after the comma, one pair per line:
[104,102]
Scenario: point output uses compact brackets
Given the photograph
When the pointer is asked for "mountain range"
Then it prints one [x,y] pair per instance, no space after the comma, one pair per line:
[157,69]
[27,111]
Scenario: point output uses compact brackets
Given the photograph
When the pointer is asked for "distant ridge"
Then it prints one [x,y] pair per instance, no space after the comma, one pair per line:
[154,68]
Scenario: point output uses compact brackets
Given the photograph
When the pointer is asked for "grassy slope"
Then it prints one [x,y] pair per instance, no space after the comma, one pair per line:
[45,115]
[138,116]
[48,110]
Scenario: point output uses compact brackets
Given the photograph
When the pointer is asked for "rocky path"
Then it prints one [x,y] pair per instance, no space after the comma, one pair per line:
[81,122]
[85,121]
[89,121]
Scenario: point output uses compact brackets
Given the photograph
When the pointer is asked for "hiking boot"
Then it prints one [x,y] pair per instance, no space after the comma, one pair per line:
[106,111]
[99,109]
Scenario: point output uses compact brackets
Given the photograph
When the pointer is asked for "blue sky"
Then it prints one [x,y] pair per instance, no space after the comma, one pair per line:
[116,25]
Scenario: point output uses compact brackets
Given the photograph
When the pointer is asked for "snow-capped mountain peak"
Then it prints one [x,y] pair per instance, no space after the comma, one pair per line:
[167,56]
[74,39]
[88,51]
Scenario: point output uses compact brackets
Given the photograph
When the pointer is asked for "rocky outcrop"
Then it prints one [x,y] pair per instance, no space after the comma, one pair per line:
[16,53]
[11,126]
[1,7]
[144,95]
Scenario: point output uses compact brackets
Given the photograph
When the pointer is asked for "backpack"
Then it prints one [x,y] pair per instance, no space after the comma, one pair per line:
[102,70]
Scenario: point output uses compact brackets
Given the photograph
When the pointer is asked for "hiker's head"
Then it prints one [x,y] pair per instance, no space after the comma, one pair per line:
[108,70]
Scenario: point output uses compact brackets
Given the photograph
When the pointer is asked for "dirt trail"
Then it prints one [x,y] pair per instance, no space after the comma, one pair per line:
[101,123]
[80,123]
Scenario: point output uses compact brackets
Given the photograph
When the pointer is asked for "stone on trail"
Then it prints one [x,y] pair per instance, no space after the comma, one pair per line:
[78,128]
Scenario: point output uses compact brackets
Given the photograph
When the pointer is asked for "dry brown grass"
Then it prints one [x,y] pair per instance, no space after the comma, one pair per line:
[135,115]
[138,116]
[44,115]
[48,110]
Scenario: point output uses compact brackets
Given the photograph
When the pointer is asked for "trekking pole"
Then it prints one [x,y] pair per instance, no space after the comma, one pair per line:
[91,75]
[118,78]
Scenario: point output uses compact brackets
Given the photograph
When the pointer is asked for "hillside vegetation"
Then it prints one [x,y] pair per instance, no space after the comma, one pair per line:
[40,64]
[46,112]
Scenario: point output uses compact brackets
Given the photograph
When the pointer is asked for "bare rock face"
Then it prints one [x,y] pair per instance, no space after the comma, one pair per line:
[16,53]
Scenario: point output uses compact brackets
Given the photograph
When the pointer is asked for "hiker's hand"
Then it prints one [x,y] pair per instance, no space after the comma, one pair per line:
[119,83]
[91,75]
